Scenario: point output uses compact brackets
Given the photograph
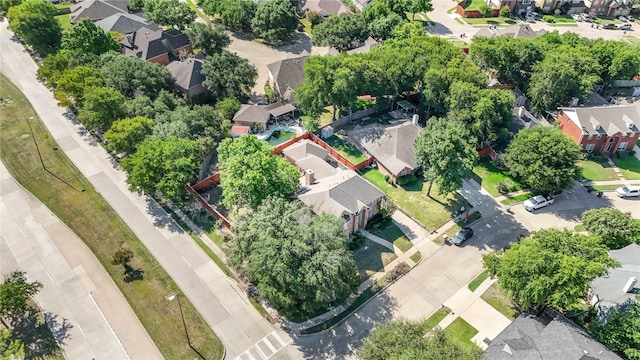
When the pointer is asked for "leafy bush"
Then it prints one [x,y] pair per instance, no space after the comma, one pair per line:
[549,19]
[314,18]
[407,179]
[356,241]
[504,11]
[506,186]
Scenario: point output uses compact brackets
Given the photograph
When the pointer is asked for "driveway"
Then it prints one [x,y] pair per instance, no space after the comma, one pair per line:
[85,310]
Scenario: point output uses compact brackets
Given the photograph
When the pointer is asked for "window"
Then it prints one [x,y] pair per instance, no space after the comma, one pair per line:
[599,136]
[623,146]
[589,147]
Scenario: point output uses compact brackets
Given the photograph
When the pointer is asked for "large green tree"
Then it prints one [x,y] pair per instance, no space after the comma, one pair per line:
[132,76]
[446,150]
[343,32]
[543,158]
[274,20]
[15,292]
[164,165]
[124,135]
[404,339]
[249,172]
[5,5]
[74,83]
[85,37]
[299,262]
[551,267]
[418,6]
[34,22]
[226,73]
[616,228]
[209,37]
[52,68]
[101,107]
[236,14]
[620,329]
[169,12]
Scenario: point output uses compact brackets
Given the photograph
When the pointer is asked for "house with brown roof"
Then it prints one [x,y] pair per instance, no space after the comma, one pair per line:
[160,47]
[391,146]
[97,9]
[327,187]
[601,129]
[285,76]
[187,77]
[325,8]
[254,116]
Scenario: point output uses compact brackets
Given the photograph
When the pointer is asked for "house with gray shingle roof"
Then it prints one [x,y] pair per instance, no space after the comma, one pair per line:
[285,76]
[325,8]
[97,9]
[602,129]
[157,46]
[254,116]
[187,77]
[125,23]
[391,146]
[327,187]
[546,337]
[608,291]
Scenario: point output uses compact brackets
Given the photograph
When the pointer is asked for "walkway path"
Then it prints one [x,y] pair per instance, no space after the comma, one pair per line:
[92,318]
[220,302]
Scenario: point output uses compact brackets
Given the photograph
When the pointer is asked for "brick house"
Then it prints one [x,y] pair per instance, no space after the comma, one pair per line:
[160,47]
[601,129]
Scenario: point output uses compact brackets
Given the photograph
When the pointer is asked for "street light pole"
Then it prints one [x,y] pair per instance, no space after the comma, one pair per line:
[172,296]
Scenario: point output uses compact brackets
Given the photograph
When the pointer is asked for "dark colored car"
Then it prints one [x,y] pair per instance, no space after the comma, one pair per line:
[609,26]
[461,236]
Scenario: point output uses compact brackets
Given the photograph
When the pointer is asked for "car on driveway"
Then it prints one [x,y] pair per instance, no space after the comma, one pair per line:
[608,26]
[622,18]
[628,191]
[576,17]
[462,236]
[538,202]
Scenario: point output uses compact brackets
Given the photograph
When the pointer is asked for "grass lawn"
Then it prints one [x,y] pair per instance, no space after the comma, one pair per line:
[463,332]
[579,228]
[458,43]
[516,199]
[307,25]
[495,297]
[416,257]
[64,20]
[629,166]
[597,170]
[475,283]
[563,24]
[474,4]
[392,233]
[498,20]
[458,226]
[92,219]
[371,258]
[346,149]
[432,212]
[435,318]
[632,40]
[489,176]
[607,21]
[605,187]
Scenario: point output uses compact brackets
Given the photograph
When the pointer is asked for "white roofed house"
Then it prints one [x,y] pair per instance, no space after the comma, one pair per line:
[327,187]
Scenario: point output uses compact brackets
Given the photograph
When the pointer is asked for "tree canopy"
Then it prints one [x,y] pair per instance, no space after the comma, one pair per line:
[34,22]
[132,76]
[72,85]
[226,73]
[85,37]
[15,292]
[169,12]
[274,20]
[101,107]
[163,164]
[616,228]
[551,267]
[250,173]
[299,262]
[543,158]
[343,32]
[236,14]
[446,151]
[620,329]
[404,339]
[124,135]
[209,37]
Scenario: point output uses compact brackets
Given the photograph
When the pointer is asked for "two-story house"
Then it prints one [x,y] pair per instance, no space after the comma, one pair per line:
[601,129]
[157,46]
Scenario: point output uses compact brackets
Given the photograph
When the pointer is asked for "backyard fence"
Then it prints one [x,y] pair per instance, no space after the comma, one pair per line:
[626,83]
[210,209]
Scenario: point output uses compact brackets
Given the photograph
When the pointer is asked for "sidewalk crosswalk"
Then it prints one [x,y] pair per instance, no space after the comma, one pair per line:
[264,349]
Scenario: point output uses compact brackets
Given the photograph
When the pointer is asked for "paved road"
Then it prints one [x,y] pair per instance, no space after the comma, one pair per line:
[222,304]
[90,316]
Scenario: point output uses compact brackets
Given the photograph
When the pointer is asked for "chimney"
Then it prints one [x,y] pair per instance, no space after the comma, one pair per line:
[415,118]
[630,284]
[309,177]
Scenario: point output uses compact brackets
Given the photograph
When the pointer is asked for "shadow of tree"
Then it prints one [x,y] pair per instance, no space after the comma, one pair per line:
[41,333]
[131,274]
[161,218]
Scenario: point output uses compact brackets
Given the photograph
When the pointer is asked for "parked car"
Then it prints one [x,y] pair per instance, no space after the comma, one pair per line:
[622,18]
[462,236]
[628,191]
[538,202]
[608,26]
[631,18]
[576,17]
[625,26]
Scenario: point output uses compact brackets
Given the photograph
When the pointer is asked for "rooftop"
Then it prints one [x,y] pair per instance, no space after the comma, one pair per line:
[608,288]
[606,120]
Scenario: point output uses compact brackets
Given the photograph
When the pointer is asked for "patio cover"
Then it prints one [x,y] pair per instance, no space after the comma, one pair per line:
[281,109]
[404,104]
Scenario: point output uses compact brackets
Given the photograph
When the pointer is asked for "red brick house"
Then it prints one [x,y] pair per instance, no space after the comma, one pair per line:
[160,47]
[601,129]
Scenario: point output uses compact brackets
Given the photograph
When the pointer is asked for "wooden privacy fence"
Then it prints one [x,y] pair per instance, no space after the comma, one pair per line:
[210,209]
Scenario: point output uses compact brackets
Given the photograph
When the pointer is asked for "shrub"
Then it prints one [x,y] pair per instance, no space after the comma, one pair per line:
[314,18]
[506,186]
[407,179]
[356,241]
[504,11]
[387,179]
[548,18]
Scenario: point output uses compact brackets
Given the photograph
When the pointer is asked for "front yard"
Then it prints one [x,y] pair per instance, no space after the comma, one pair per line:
[392,233]
[597,170]
[463,332]
[629,165]
[371,258]
[432,212]
[495,297]
[489,177]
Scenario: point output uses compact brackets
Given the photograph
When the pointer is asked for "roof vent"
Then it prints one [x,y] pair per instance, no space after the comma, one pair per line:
[598,127]
[631,125]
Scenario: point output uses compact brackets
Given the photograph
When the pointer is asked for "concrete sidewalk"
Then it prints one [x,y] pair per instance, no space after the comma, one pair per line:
[221,303]
[77,291]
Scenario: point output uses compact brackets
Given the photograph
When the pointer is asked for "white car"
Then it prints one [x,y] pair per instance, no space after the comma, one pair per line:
[622,18]
[628,191]
[576,17]
[538,202]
